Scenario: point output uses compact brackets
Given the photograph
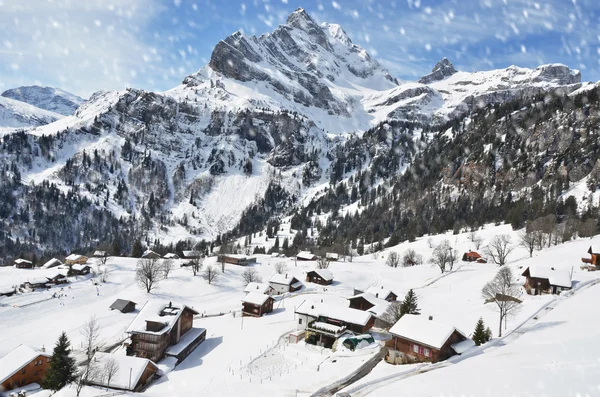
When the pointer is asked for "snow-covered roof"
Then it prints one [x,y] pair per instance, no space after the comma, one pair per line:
[157,311]
[191,254]
[120,304]
[235,256]
[20,260]
[337,312]
[380,292]
[185,340]
[17,359]
[463,346]
[379,305]
[74,257]
[38,280]
[255,298]
[100,253]
[305,255]
[170,255]
[422,330]
[79,267]
[334,329]
[558,277]
[52,263]
[282,279]
[127,365]
[149,252]
[257,287]
[332,255]
[6,290]
[325,274]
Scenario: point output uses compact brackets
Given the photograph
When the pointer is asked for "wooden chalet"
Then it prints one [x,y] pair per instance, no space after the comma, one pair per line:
[282,283]
[52,263]
[80,270]
[164,329]
[593,260]
[471,256]
[319,276]
[75,259]
[171,255]
[370,303]
[546,280]
[306,256]
[58,278]
[149,254]
[256,304]
[240,260]
[133,373]
[381,293]
[23,264]
[36,283]
[417,338]
[261,288]
[325,322]
[22,366]
[124,306]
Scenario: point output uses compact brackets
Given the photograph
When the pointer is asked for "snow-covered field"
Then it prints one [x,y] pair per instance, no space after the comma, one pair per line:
[252,357]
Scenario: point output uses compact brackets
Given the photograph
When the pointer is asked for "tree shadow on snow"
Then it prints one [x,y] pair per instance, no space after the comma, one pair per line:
[195,359]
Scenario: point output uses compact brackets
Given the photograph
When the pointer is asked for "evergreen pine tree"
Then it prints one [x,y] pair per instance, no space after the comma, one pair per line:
[137,250]
[488,334]
[409,305]
[286,244]
[479,335]
[276,245]
[62,369]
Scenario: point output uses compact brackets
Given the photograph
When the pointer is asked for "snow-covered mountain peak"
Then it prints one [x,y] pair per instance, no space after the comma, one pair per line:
[440,71]
[47,98]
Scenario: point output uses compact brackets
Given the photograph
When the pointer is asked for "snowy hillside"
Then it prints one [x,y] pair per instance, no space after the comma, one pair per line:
[17,114]
[252,356]
[47,98]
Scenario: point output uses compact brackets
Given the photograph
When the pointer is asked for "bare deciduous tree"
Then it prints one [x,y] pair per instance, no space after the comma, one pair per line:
[280,268]
[104,275]
[444,256]
[411,258]
[196,265]
[91,334]
[503,292]
[250,275]
[499,248]
[210,274]
[477,241]
[527,241]
[322,262]
[393,313]
[393,259]
[167,267]
[148,273]
[111,367]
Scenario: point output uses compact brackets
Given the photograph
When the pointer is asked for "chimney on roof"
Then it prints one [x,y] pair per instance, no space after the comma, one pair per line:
[286,276]
[382,287]
[312,306]
[43,349]
[377,295]
[169,304]
[430,317]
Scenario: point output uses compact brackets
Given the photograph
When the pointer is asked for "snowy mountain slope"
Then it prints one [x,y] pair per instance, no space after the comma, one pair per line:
[268,123]
[47,98]
[17,114]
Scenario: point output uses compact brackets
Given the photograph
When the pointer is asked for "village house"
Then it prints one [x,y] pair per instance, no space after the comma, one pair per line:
[23,264]
[149,254]
[171,255]
[164,329]
[100,254]
[261,288]
[593,260]
[332,256]
[124,306]
[543,279]
[416,338]
[281,284]
[22,366]
[36,283]
[239,260]
[306,256]
[370,303]
[319,276]
[77,269]
[132,374]
[52,263]
[75,259]
[471,256]
[324,323]
[256,304]
[59,277]
[379,292]
[191,254]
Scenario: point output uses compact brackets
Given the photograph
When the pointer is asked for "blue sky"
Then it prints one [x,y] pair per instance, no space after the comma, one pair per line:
[88,45]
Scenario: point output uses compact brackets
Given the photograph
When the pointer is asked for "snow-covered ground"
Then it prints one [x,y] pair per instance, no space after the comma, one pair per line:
[252,357]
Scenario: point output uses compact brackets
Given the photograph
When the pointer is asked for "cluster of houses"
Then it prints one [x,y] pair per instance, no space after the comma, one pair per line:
[161,330]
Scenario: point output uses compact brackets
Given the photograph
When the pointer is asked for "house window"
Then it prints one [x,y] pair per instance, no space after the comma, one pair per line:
[300,321]
[415,348]
[421,350]
[35,363]
[23,371]
[427,353]
[35,373]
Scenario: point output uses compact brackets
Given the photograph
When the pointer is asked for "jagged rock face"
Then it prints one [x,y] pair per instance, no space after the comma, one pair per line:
[560,74]
[441,70]
[47,98]
[307,58]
